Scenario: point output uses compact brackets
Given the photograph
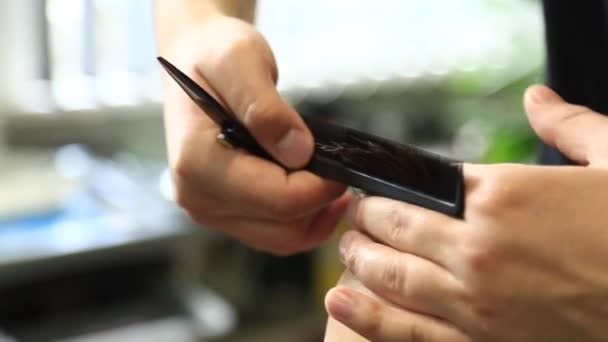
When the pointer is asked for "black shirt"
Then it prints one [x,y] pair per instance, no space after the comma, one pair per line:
[577,56]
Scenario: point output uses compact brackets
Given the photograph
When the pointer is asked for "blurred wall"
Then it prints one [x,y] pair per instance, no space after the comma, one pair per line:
[20,48]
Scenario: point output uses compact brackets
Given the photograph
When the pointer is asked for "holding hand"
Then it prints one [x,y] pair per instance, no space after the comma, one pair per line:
[527,262]
[249,198]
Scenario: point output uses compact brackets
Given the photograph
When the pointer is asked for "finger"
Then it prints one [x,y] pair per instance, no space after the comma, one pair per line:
[577,131]
[279,237]
[404,279]
[258,187]
[406,227]
[239,178]
[244,73]
[381,322]
[201,199]
[198,204]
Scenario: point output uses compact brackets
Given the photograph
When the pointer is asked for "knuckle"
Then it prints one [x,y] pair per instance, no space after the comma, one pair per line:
[488,316]
[392,278]
[402,227]
[397,224]
[352,261]
[488,201]
[576,114]
[481,257]
[484,306]
[349,254]
[496,194]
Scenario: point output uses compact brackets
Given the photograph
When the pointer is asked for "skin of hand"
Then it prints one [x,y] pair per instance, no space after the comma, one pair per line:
[528,262]
[251,199]
[393,324]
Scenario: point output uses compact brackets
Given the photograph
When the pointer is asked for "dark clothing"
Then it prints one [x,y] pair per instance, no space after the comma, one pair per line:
[577,56]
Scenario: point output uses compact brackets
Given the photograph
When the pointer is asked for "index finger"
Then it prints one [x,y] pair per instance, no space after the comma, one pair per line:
[407,228]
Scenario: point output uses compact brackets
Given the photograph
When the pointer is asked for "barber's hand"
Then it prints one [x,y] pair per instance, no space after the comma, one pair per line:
[249,198]
[529,262]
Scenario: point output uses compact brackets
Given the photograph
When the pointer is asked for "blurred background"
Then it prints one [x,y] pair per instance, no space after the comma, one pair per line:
[92,248]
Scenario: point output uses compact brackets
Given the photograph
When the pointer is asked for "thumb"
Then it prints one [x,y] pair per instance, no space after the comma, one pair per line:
[577,131]
[246,82]
[276,126]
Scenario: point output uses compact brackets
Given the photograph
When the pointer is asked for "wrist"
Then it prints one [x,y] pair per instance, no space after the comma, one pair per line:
[173,18]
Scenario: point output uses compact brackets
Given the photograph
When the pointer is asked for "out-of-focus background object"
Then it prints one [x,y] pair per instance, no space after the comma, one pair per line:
[92,247]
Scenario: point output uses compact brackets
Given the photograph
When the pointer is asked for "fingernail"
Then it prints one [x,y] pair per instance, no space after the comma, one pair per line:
[341,305]
[542,95]
[293,149]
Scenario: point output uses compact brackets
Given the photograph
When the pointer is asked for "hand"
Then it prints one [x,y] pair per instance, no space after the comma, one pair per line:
[527,262]
[242,195]
[380,320]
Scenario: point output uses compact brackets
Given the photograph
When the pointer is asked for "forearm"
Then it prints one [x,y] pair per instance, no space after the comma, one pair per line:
[174,15]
